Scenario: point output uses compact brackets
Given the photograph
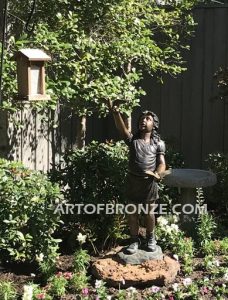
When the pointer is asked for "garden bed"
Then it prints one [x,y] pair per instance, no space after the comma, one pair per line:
[211,289]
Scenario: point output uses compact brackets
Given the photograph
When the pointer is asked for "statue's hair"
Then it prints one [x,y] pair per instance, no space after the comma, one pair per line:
[154,134]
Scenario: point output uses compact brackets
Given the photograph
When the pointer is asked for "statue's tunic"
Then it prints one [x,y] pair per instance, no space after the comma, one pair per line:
[143,156]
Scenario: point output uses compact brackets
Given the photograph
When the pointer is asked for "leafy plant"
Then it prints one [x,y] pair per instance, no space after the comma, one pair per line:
[27,218]
[58,284]
[39,293]
[79,281]
[205,230]
[81,260]
[47,268]
[7,290]
[94,176]
[218,163]
[224,246]
[101,290]
[172,238]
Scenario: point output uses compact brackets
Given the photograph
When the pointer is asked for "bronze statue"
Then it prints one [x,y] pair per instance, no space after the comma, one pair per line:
[146,165]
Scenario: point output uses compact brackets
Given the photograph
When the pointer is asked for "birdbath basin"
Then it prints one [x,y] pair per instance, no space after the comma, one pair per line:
[190,178]
[187,180]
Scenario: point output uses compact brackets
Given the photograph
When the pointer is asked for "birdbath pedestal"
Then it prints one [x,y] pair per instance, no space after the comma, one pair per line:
[188,180]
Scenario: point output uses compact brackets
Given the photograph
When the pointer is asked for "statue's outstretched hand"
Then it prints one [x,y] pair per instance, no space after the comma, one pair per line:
[113,106]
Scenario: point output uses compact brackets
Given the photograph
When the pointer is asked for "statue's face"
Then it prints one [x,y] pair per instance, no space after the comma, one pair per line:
[146,123]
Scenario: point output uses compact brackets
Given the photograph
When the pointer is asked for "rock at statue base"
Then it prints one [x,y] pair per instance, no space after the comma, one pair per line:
[113,271]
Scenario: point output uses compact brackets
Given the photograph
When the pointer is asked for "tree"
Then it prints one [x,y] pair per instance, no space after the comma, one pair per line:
[101,48]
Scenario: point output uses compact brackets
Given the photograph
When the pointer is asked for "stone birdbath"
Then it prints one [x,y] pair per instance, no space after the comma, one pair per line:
[187,180]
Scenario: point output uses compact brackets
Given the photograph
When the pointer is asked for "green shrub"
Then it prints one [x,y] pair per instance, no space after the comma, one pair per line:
[94,175]
[27,219]
[218,163]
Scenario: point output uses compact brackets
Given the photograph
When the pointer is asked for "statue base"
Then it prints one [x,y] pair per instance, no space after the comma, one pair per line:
[153,271]
[140,256]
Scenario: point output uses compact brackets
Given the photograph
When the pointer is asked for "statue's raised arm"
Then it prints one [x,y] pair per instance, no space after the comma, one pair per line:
[120,125]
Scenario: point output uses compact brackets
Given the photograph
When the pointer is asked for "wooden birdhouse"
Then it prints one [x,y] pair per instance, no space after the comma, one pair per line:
[31,74]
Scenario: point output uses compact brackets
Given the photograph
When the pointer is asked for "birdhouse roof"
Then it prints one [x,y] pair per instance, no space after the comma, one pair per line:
[34,54]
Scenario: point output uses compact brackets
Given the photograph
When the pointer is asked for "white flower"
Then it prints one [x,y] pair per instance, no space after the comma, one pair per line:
[161,2]
[175,218]
[225,276]
[168,229]
[28,292]
[136,21]
[155,289]
[109,298]
[175,287]
[175,256]
[209,263]
[174,227]
[33,275]
[187,281]
[81,238]
[162,221]
[216,263]
[66,187]
[40,257]
[98,284]
[132,290]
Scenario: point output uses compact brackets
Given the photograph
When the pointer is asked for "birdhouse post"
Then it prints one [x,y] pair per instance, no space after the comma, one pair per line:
[31,74]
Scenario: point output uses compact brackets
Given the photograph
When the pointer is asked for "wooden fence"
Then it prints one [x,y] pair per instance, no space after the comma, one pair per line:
[192,120]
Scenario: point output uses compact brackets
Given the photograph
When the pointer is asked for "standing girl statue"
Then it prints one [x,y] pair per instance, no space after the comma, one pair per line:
[146,165]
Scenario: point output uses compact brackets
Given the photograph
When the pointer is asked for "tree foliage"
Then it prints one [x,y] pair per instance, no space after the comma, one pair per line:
[100,49]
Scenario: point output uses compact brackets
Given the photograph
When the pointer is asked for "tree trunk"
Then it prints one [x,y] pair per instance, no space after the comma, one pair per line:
[1,17]
[81,132]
